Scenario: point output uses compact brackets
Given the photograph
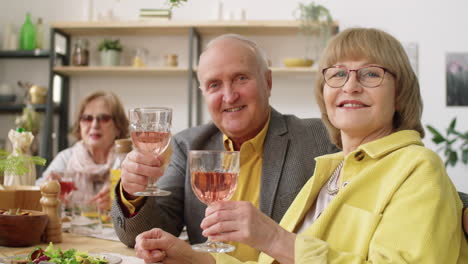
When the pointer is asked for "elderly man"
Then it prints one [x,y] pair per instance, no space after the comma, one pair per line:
[277,151]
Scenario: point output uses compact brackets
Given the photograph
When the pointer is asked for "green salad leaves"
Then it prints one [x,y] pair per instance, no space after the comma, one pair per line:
[57,256]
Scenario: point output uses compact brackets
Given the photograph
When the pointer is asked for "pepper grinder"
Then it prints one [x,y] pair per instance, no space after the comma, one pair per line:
[50,205]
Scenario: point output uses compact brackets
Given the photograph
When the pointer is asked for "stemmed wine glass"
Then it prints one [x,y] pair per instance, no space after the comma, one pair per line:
[214,178]
[150,129]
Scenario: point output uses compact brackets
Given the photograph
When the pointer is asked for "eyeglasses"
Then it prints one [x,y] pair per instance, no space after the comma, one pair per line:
[101,118]
[369,76]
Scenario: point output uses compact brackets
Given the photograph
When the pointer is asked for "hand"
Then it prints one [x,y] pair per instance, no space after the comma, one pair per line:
[156,245]
[103,198]
[242,222]
[53,176]
[136,168]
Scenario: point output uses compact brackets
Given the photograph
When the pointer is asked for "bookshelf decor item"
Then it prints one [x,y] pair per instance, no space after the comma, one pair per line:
[110,52]
[155,14]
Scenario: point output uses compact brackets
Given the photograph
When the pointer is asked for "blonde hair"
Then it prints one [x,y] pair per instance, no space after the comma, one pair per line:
[381,48]
[117,111]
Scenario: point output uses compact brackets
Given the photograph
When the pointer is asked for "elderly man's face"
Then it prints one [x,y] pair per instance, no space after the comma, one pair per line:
[235,90]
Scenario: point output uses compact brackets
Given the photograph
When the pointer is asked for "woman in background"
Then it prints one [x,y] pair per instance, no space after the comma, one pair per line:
[384,199]
[100,120]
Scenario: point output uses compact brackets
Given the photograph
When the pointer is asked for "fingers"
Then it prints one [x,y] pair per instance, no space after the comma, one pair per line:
[223,205]
[136,168]
[219,212]
[151,256]
[143,158]
[152,245]
[102,199]
[54,176]
[223,218]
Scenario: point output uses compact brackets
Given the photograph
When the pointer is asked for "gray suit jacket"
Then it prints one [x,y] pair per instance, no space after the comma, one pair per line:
[290,146]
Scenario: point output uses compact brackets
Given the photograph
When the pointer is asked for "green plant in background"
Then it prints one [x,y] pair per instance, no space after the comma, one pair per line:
[454,143]
[316,20]
[176,3]
[109,44]
[17,165]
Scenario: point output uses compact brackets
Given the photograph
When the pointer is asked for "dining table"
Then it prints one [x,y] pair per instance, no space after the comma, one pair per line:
[78,242]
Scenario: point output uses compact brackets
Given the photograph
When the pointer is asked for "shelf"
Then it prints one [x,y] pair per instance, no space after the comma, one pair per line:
[27,54]
[290,70]
[118,71]
[18,108]
[252,27]
[293,70]
[122,28]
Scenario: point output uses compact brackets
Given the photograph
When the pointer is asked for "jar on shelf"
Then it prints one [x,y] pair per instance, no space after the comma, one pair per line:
[80,55]
[140,57]
[170,60]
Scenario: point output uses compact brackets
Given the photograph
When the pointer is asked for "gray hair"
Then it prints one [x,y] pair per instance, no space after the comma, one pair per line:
[259,53]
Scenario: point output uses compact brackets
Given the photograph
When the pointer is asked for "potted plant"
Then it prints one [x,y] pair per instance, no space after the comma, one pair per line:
[316,27]
[110,52]
[176,3]
[454,144]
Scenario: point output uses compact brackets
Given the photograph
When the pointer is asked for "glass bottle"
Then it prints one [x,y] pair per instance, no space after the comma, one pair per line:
[122,147]
[39,34]
[80,55]
[28,35]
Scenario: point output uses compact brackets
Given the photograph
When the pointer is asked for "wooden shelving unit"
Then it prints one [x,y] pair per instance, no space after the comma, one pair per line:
[119,71]
[277,27]
[294,70]
[194,30]
[17,108]
[26,54]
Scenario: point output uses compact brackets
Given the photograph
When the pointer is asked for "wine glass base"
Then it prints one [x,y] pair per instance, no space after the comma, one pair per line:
[213,247]
[157,192]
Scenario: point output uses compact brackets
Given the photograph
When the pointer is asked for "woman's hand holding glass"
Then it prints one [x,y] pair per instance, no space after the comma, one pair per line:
[150,129]
[242,222]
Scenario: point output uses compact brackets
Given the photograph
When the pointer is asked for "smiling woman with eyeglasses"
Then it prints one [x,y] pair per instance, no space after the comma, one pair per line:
[100,120]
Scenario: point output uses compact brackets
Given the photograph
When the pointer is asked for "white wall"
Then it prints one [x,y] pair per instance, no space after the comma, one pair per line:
[437,26]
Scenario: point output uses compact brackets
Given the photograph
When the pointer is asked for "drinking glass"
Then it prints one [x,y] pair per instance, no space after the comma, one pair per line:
[150,129]
[214,178]
[86,216]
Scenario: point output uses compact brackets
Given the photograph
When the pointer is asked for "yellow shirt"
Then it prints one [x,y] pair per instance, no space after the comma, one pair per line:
[248,183]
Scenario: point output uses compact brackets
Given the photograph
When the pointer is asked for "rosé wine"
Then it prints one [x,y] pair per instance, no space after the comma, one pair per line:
[213,186]
[153,142]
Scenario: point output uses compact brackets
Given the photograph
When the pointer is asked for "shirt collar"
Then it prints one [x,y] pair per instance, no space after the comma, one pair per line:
[256,142]
[381,147]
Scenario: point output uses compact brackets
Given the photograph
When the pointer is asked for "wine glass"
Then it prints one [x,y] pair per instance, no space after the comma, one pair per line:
[150,129]
[214,178]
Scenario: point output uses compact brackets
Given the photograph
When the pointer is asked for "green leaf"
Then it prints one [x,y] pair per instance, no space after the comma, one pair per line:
[452,125]
[437,136]
[18,164]
[452,158]
[465,156]
[176,3]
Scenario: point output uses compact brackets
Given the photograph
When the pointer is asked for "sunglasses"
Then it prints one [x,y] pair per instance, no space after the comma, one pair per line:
[101,118]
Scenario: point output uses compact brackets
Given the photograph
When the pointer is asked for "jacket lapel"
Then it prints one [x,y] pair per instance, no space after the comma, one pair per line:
[274,154]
